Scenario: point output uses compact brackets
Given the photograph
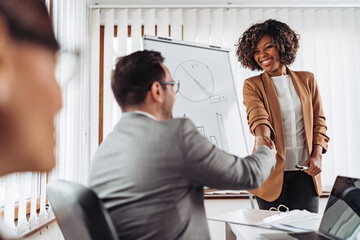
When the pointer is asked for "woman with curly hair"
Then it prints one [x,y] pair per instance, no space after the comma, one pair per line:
[284,105]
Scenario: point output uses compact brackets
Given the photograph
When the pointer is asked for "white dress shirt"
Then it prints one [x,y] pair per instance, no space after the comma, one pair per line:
[291,113]
[146,114]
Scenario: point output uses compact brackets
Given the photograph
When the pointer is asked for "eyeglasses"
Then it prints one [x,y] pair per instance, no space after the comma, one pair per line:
[175,85]
[68,65]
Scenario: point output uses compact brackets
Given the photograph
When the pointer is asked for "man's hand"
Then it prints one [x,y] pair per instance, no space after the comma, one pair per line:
[260,141]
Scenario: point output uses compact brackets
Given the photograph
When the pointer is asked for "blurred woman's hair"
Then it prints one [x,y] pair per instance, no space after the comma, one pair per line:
[28,21]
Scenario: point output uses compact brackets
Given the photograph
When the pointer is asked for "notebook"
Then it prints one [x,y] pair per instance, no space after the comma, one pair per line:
[341,219]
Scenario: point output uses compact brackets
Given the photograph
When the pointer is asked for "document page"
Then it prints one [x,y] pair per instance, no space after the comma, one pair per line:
[294,221]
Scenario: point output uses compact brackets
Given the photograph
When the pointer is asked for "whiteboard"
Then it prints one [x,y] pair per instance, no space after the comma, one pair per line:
[207,93]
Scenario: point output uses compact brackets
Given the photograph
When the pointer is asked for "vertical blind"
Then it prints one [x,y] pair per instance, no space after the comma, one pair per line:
[27,191]
[23,191]
[328,47]
[71,26]
[72,29]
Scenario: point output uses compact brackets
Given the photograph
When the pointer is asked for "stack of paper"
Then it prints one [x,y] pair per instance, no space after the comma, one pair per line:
[228,192]
[294,221]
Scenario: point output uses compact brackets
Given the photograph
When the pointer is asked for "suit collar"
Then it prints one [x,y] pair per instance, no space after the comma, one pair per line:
[275,110]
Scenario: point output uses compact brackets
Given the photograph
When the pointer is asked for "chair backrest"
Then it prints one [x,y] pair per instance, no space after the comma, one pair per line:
[79,212]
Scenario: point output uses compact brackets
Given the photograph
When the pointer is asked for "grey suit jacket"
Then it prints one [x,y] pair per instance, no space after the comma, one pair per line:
[151,175]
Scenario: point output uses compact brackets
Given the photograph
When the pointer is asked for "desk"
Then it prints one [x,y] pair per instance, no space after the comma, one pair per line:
[235,231]
[244,232]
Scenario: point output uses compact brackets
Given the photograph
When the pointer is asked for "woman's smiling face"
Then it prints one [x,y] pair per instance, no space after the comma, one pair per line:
[268,58]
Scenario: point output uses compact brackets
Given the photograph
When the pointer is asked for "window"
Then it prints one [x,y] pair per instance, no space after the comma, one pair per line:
[328,39]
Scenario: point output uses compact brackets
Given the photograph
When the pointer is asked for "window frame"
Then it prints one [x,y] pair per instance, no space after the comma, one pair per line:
[101,68]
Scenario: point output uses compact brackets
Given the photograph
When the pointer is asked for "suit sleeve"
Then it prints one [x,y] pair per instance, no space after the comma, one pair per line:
[319,124]
[206,165]
[255,109]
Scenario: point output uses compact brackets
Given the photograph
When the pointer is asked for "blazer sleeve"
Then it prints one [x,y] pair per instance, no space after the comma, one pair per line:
[319,124]
[255,109]
[206,165]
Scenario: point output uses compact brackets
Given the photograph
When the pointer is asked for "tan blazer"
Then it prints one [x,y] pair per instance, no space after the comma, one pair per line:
[263,107]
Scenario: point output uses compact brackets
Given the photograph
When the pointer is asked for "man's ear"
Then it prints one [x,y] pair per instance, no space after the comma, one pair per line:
[157,92]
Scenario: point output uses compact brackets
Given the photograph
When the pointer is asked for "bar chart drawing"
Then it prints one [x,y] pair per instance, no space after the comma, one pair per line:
[221,126]
[214,141]
[201,129]
[222,134]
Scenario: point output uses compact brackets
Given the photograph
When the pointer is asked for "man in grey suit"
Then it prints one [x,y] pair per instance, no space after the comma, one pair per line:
[151,169]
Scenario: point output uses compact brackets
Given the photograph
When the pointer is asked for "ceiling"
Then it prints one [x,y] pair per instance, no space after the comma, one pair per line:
[224,2]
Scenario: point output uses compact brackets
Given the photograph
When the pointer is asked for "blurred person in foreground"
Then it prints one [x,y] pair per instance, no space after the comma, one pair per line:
[151,169]
[29,94]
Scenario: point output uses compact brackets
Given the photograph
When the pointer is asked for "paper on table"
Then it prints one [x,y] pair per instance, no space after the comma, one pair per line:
[252,217]
[295,220]
[228,192]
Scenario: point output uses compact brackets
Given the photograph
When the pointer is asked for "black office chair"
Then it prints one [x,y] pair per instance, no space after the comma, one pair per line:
[79,212]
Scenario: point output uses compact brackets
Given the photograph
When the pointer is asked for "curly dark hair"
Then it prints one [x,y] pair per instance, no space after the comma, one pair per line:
[284,38]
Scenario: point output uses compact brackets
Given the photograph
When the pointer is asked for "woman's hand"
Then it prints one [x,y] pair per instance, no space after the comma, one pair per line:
[262,137]
[265,141]
[314,162]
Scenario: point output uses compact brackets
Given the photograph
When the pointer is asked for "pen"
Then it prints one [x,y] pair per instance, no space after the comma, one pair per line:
[301,167]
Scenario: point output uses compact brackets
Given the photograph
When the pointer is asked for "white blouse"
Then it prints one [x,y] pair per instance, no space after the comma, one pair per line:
[294,133]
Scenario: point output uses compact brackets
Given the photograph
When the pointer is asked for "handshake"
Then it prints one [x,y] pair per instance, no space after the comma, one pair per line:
[264,140]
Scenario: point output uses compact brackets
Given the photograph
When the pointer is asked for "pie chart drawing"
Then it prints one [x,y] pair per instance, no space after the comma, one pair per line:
[196,80]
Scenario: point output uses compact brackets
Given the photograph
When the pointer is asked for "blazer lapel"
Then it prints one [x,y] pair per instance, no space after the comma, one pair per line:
[305,105]
[275,112]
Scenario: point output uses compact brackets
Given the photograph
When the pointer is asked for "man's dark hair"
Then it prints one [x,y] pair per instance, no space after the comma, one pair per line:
[28,21]
[133,76]
[284,38]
